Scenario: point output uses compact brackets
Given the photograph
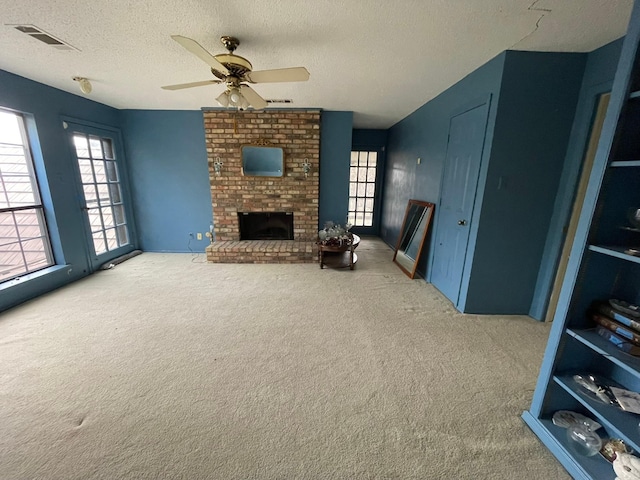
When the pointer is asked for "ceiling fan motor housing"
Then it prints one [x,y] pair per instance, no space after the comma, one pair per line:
[237,65]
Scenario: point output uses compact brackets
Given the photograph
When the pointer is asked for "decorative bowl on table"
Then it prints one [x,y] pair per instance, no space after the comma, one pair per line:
[335,235]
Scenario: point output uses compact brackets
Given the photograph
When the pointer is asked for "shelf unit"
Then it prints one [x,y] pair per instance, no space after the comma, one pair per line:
[603,265]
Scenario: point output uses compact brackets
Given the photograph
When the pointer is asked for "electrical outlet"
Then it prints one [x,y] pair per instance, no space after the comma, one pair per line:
[198,236]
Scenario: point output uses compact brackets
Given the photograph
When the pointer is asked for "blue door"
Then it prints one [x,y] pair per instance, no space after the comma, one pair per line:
[459,183]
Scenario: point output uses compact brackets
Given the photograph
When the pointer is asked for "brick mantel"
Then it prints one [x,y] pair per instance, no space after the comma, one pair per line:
[298,133]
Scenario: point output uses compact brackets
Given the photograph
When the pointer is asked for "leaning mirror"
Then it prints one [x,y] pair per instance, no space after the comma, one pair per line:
[262,161]
[413,233]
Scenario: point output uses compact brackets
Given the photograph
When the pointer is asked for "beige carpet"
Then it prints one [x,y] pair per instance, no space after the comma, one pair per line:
[166,368]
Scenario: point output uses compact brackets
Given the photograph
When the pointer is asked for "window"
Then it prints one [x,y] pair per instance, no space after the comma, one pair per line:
[362,188]
[24,241]
[102,191]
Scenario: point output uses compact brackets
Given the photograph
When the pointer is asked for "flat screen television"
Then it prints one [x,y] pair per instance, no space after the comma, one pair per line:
[262,161]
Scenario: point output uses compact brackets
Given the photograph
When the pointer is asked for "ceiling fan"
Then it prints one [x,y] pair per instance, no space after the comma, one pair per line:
[234,70]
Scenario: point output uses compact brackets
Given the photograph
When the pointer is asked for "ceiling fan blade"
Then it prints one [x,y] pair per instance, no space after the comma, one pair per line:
[199,51]
[180,86]
[294,74]
[255,100]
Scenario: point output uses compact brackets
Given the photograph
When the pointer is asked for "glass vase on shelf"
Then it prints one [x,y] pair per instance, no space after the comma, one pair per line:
[584,440]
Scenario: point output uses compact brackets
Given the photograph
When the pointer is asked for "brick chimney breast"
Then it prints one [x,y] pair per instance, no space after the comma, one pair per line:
[297,132]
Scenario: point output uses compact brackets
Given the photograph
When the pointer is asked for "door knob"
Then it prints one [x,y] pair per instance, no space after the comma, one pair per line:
[462,222]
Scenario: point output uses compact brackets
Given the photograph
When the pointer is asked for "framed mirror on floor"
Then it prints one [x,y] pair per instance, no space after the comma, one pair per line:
[417,219]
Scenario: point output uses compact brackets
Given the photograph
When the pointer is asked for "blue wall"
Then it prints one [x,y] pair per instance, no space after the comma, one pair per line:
[598,78]
[45,106]
[335,154]
[532,103]
[169,178]
[424,134]
[169,174]
[366,138]
[537,103]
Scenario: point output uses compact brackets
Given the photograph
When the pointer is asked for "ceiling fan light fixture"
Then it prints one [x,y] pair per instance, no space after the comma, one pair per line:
[85,84]
[223,99]
[235,97]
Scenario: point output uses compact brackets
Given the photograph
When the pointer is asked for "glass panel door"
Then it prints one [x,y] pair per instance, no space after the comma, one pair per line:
[101,178]
[363,186]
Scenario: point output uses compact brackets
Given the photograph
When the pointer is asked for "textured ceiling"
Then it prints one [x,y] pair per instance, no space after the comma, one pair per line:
[380,59]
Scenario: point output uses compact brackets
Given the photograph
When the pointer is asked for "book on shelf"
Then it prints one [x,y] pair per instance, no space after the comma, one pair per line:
[617,315]
[620,342]
[621,330]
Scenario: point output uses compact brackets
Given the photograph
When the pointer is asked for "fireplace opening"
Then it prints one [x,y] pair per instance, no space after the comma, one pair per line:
[266,225]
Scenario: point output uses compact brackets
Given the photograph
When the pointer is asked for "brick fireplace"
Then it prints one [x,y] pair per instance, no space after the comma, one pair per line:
[233,194]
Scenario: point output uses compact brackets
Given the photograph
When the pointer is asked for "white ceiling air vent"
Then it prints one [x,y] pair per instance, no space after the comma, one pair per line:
[44,37]
[271,100]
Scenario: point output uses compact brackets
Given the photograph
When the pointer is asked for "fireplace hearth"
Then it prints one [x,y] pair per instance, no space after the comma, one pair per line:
[265,225]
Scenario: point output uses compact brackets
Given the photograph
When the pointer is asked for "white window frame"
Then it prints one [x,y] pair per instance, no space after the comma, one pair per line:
[8,248]
[362,188]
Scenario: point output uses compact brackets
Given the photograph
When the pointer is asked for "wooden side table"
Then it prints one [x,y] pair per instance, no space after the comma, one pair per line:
[339,256]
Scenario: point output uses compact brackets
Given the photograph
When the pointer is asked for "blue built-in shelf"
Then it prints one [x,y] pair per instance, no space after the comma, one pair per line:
[626,163]
[555,439]
[617,252]
[607,270]
[617,422]
[603,347]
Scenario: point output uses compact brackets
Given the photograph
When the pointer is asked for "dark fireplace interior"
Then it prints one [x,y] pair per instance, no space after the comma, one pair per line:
[266,225]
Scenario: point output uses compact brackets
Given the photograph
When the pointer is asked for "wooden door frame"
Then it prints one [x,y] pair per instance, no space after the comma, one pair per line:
[601,102]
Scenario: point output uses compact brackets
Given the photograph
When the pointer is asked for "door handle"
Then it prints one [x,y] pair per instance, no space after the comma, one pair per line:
[462,222]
